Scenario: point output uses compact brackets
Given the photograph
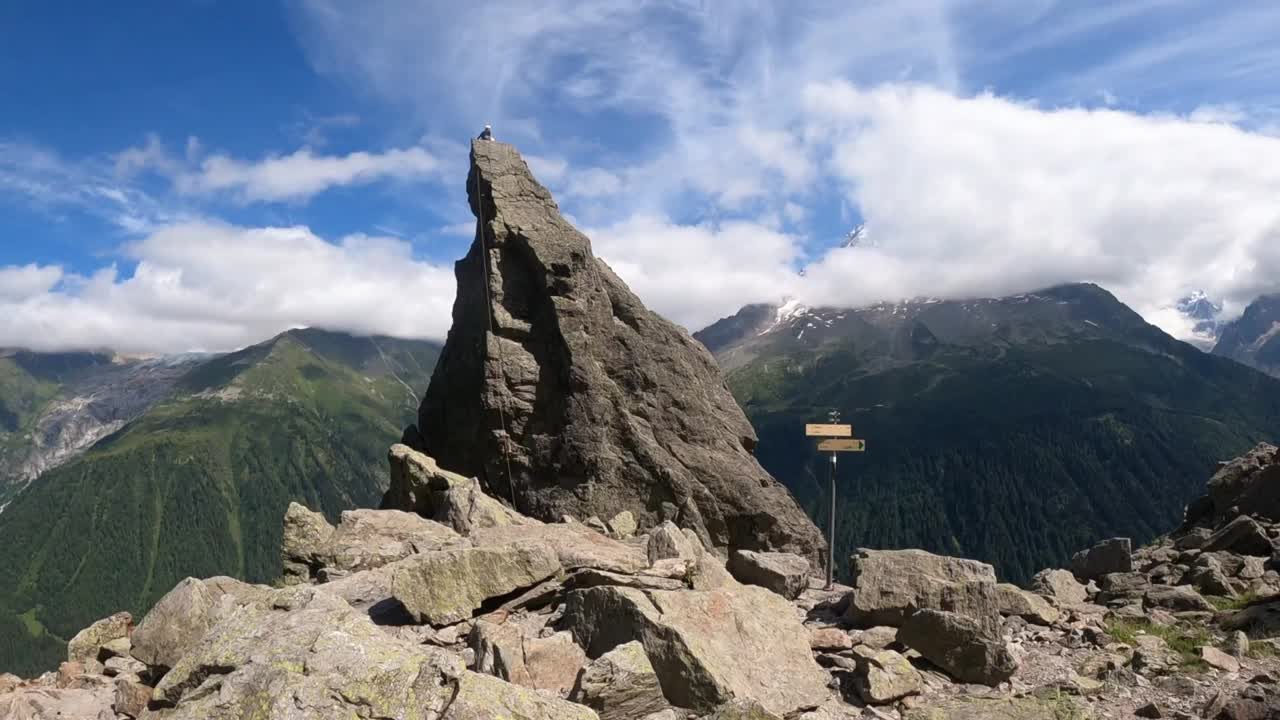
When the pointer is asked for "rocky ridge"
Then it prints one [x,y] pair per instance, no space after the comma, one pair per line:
[556,379]
[454,606]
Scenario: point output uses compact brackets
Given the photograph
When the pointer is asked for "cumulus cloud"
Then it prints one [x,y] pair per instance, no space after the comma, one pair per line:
[696,274]
[303,173]
[212,286]
[985,195]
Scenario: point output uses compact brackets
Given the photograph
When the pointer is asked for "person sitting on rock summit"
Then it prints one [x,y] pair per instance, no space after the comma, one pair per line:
[486,134]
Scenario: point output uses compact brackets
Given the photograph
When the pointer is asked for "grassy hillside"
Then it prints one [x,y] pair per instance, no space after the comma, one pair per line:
[199,484]
[1017,437]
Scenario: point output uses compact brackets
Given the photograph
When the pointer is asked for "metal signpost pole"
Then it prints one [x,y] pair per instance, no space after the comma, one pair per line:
[831,541]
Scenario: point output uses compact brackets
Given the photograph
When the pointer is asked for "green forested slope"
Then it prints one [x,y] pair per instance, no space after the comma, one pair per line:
[198,485]
[1058,423]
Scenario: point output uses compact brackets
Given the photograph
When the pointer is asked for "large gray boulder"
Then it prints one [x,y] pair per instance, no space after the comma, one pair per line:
[575,544]
[420,485]
[306,534]
[182,617]
[784,573]
[1109,556]
[481,697]
[621,685]
[1250,482]
[510,651]
[87,644]
[445,587]
[1060,585]
[959,645]
[608,407]
[368,539]
[707,647]
[890,585]
[1243,535]
[302,653]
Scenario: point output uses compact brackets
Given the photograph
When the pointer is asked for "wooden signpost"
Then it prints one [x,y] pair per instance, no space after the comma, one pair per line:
[835,438]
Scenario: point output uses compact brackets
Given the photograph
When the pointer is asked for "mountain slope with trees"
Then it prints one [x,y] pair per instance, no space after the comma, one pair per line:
[1012,430]
[197,485]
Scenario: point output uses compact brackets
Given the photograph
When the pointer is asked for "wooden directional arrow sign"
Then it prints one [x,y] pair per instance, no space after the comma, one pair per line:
[828,430]
[842,445]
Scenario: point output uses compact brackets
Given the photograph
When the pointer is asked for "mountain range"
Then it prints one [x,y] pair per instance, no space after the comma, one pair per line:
[154,470]
[1254,338]
[1012,429]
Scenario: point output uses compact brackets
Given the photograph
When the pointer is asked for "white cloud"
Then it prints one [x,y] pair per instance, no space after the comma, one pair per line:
[18,283]
[210,286]
[696,274]
[983,195]
[303,174]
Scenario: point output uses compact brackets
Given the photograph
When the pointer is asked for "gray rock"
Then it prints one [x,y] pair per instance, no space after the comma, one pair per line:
[40,703]
[130,698]
[509,651]
[829,638]
[959,645]
[742,710]
[1192,539]
[668,541]
[1108,556]
[87,645]
[182,617]
[446,587]
[306,534]
[121,665]
[1259,620]
[368,539]
[1238,644]
[885,677]
[608,406]
[1179,598]
[1250,481]
[576,545]
[707,647]
[623,525]
[420,485]
[302,653]
[621,685]
[1060,585]
[482,697]
[1115,588]
[1218,659]
[1014,601]
[784,573]
[889,585]
[1242,535]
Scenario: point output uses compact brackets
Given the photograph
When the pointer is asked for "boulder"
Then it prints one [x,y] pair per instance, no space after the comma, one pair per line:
[1060,585]
[784,573]
[1108,556]
[885,677]
[890,585]
[1180,598]
[420,485]
[829,638]
[1251,481]
[86,646]
[608,406]
[368,539]
[742,710]
[306,534]
[131,698]
[707,647]
[302,653]
[444,587]
[621,685]
[623,525]
[576,545]
[1122,586]
[959,645]
[1057,707]
[1242,535]
[39,703]
[510,652]
[1218,659]
[182,617]
[482,697]
[668,541]
[1014,601]
[1259,620]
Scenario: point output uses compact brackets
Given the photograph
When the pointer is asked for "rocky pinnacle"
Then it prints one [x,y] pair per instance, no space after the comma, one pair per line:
[607,406]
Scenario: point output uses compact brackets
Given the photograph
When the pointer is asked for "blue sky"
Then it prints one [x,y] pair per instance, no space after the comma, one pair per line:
[200,174]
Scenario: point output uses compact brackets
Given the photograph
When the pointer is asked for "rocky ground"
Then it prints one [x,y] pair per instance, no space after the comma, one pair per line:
[457,608]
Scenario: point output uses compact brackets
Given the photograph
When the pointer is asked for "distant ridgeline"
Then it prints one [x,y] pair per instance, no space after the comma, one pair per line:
[196,482]
[1013,430]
